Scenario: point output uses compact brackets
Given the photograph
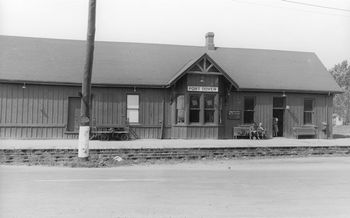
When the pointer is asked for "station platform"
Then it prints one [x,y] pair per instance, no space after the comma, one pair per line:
[172,143]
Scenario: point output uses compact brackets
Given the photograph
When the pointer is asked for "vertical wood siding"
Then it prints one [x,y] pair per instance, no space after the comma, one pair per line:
[233,102]
[34,112]
[41,111]
[293,117]
[263,112]
[195,132]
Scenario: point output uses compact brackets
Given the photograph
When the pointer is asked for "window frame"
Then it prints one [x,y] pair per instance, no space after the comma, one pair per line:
[284,102]
[312,112]
[133,109]
[205,109]
[201,110]
[252,111]
[177,110]
[198,110]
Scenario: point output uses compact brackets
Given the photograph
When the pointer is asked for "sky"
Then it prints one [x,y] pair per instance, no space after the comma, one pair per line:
[260,24]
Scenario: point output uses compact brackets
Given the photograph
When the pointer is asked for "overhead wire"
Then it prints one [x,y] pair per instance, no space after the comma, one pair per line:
[295,9]
[317,6]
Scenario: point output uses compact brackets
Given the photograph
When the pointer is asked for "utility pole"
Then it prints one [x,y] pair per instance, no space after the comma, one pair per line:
[84,129]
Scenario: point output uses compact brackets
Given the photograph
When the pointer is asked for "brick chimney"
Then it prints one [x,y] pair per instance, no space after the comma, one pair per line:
[209,41]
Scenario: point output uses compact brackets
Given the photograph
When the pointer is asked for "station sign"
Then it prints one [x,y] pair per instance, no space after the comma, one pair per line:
[202,89]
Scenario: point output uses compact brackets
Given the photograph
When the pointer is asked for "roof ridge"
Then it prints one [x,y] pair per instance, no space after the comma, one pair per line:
[161,44]
[266,49]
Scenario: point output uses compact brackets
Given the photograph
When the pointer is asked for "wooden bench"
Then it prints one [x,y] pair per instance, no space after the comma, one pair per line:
[242,130]
[305,131]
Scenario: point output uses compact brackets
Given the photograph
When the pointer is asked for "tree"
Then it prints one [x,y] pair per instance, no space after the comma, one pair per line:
[341,73]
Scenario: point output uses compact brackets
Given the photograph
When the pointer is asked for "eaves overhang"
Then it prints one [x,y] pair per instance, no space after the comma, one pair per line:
[29,82]
[329,92]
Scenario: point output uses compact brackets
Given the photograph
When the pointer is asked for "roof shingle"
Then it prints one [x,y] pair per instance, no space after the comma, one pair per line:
[55,60]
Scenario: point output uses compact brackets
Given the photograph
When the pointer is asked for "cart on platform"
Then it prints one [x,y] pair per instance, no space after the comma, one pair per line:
[113,133]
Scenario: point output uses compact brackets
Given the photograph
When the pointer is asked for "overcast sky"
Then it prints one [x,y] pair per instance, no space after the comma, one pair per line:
[262,24]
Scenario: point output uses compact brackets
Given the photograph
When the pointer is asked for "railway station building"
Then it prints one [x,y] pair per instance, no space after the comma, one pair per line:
[161,91]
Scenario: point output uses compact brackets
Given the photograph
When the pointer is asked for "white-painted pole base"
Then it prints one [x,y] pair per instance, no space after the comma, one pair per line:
[83,150]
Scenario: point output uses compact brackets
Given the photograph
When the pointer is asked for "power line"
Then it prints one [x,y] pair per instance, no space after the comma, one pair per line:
[317,6]
[295,9]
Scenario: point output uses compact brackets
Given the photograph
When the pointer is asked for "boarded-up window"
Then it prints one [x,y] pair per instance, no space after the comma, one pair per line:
[194,108]
[180,109]
[308,111]
[133,108]
[73,114]
[249,106]
[209,108]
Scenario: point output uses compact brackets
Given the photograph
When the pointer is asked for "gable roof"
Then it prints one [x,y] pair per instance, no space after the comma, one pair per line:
[117,63]
[193,62]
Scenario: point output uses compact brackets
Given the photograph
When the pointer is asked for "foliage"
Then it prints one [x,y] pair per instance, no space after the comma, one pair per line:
[341,73]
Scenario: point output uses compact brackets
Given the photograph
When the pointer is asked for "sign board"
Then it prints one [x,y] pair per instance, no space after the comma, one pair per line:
[202,89]
[234,115]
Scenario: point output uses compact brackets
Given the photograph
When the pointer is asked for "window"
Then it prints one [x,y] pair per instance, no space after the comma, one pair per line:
[133,108]
[202,108]
[249,105]
[209,108]
[180,109]
[194,108]
[279,102]
[308,111]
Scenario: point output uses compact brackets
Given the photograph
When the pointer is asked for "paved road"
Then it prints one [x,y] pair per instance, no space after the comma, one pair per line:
[314,187]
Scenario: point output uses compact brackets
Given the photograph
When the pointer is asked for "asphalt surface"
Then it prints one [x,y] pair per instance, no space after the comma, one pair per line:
[300,187]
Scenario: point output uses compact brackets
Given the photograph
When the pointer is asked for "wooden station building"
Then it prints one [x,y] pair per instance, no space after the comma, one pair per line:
[164,91]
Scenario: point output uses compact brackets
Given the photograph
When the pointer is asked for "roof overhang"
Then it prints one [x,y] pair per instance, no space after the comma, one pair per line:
[291,91]
[28,82]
